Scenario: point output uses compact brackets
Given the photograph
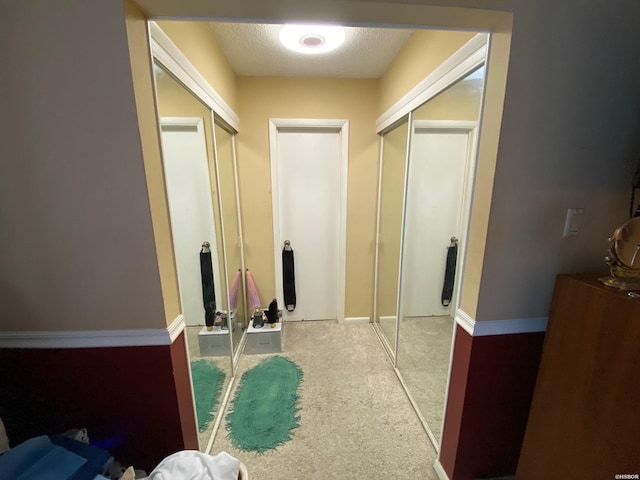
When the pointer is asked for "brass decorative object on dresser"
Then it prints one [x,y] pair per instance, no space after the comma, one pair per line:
[585,420]
[624,256]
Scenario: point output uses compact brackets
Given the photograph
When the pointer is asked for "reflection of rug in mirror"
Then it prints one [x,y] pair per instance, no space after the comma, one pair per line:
[207,385]
[265,407]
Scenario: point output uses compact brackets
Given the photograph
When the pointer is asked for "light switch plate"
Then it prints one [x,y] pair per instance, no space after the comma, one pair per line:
[572,222]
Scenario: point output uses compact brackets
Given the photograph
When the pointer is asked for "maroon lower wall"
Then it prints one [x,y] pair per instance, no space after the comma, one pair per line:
[184,397]
[455,399]
[126,397]
[491,386]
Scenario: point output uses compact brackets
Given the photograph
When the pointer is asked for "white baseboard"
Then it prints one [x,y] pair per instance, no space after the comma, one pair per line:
[356,320]
[437,467]
[388,318]
[500,327]
[94,338]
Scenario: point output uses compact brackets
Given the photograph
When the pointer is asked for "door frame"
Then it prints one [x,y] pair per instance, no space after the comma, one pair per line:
[340,126]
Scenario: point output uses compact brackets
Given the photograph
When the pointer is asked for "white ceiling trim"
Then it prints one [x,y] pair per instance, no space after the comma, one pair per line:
[466,59]
[171,57]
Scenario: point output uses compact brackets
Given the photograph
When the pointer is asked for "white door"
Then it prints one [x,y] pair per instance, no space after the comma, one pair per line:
[190,209]
[435,194]
[308,188]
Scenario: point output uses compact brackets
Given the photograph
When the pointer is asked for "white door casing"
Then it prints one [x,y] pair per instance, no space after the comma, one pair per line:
[309,190]
[438,194]
[190,209]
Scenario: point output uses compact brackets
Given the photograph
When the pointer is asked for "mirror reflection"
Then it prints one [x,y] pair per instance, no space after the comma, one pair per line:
[194,210]
[392,173]
[233,248]
[436,212]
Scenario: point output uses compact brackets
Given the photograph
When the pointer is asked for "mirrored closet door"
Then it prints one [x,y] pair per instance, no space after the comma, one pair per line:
[198,158]
[429,229]
[230,208]
[391,199]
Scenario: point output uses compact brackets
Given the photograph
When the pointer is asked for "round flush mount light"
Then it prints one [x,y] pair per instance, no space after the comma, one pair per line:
[311,38]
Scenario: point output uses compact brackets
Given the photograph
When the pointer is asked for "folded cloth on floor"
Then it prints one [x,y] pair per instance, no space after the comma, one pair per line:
[39,459]
[193,465]
[96,457]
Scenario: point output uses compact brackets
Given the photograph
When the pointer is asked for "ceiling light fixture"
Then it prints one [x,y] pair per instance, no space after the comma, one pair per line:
[312,38]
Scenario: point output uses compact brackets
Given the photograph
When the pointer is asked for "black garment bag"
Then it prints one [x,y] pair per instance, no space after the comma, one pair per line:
[450,272]
[288,278]
[208,292]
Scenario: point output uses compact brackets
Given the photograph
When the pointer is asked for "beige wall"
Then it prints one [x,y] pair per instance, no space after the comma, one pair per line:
[491,123]
[77,248]
[138,41]
[261,98]
[569,139]
[196,41]
[422,54]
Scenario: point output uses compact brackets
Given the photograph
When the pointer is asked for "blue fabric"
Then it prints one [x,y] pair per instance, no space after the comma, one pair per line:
[39,459]
[96,458]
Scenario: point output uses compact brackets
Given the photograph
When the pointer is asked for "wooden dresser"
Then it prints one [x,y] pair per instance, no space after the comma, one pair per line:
[584,421]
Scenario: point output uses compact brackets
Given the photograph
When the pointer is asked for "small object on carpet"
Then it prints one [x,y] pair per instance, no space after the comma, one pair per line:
[208,380]
[264,409]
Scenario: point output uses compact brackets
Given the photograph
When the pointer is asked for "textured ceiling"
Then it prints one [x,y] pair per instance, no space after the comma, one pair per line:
[255,49]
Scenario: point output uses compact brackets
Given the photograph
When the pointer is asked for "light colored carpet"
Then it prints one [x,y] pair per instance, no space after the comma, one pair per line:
[355,419]
[423,362]
[223,363]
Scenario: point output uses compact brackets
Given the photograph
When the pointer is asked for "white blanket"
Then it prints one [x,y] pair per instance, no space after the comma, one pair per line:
[193,465]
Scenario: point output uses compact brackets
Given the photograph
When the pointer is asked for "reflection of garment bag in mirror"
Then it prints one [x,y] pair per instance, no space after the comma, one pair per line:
[208,294]
[288,279]
[449,273]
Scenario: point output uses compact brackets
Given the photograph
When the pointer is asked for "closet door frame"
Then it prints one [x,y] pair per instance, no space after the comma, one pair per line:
[169,56]
[468,58]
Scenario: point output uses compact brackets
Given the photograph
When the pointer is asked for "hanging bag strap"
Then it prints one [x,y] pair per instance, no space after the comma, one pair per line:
[208,291]
[288,277]
[450,272]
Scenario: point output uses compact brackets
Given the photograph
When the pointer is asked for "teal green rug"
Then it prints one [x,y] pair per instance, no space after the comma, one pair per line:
[265,408]
[208,380]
